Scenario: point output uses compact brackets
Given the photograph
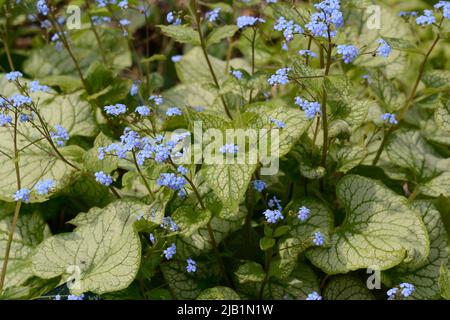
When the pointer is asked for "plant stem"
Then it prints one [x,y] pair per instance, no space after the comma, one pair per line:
[408,101]
[150,192]
[269,255]
[253,62]
[324,106]
[17,209]
[196,15]
[97,37]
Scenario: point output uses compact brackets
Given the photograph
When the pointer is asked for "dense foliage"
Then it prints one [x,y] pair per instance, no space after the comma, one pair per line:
[117,182]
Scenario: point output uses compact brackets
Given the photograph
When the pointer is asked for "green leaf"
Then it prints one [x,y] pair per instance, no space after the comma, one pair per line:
[297,286]
[437,78]
[38,160]
[221,33]
[91,161]
[444,283]
[280,231]
[104,247]
[442,117]
[347,288]
[229,181]
[219,293]
[31,230]
[266,243]
[380,230]
[182,34]
[301,234]
[425,278]
[190,219]
[250,271]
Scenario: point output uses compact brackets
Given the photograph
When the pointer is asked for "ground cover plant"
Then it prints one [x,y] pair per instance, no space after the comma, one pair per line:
[255,149]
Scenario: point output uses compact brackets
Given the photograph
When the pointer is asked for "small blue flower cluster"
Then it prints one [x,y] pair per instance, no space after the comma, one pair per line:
[318,239]
[405,289]
[445,6]
[248,21]
[134,90]
[22,195]
[289,28]
[143,111]
[43,187]
[384,49]
[60,136]
[169,224]
[170,251]
[259,185]
[191,266]
[237,74]
[42,7]
[278,123]
[348,52]
[176,21]
[274,202]
[309,53]
[115,110]
[303,213]
[18,100]
[172,181]
[213,14]
[390,118]
[327,20]
[157,100]
[35,86]
[174,111]
[229,149]
[103,178]
[5,119]
[272,216]
[313,296]
[280,77]
[407,14]
[426,19]
[13,75]
[311,109]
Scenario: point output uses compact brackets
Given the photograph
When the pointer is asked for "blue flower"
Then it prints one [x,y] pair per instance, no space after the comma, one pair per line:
[426,19]
[445,6]
[157,100]
[43,187]
[115,110]
[272,216]
[274,202]
[172,20]
[280,77]
[36,87]
[169,224]
[123,4]
[248,21]
[348,52]
[212,15]
[390,118]
[229,149]
[259,185]
[318,240]
[289,28]
[173,112]
[407,13]
[170,251]
[311,108]
[19,100]
[42,7]
[22,195]
[124,22]
[392,293]
[303,213]
[5,119]
[237,74]
[314,296]
[176,58]
[407,289]
[310,53]
[103,178]
[384,49]
[182,170]
[278,123]
[134,88]
[327,20]
[60,136]
[143,111]
[171,181]
[151,237]
[75,297]
[191,266]
[13,75]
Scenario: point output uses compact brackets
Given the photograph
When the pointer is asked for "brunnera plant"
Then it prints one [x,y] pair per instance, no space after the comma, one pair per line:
[116,181]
